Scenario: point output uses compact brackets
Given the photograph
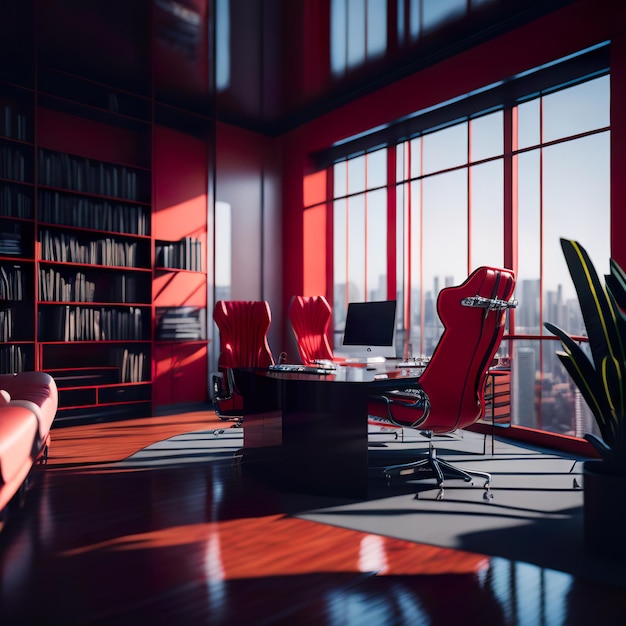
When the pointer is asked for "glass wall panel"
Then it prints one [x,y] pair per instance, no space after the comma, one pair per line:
[340,255]
[416,157]
[377,169]
[356,174]
[487,214]
[576,205]
[340,179]
[402,159]
[528,123]
[529,241]
[525,381]
[543,395]
[487,138]
[415,344]
[445,149]
[444,243]
[402,245]
[377,245]
[576,110]
[356,249]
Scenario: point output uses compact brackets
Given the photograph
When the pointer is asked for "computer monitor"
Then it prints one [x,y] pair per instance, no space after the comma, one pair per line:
[370,330]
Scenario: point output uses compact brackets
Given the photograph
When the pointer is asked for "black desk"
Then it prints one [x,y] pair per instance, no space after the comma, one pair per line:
[307,433]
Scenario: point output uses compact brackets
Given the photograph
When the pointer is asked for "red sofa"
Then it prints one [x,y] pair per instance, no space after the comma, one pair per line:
[28,406]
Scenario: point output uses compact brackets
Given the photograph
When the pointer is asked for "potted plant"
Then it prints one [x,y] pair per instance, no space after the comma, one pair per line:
[601,379]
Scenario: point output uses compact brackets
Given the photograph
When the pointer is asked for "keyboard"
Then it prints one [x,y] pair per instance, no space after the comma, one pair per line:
[421,363]
[295,368]
[325,363]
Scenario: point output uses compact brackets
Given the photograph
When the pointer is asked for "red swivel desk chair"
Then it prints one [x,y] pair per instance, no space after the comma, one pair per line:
[310,318]
[450,394]
[243,327]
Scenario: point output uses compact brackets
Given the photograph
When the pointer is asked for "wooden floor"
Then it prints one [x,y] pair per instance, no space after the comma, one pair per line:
[204,544]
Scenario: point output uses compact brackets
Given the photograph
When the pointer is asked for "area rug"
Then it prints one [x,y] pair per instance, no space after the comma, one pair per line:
[200,446]
[535,515]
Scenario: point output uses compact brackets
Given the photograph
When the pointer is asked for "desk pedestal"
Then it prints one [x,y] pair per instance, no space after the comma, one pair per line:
[306,434]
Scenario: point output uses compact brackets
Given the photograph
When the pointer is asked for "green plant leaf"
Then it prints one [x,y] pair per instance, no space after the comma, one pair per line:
[595,305]
[585,368]
[600,379]
[620,317]
[616,289]
[591,390]
[613,384]
[616,283]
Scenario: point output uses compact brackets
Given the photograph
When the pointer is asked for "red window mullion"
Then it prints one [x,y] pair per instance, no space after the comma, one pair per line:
[392,277]
[469,197]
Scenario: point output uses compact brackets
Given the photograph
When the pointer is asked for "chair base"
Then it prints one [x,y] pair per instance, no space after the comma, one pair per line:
[226,416]
[230,418]
[441,469]
[237,422]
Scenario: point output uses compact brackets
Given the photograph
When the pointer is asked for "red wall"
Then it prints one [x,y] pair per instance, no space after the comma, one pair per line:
[578,26]
[248,178]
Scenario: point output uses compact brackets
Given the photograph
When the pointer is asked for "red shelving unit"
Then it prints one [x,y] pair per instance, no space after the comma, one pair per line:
[180,278]
[103,213]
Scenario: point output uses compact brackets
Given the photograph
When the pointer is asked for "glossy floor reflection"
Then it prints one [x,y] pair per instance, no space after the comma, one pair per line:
[204,544]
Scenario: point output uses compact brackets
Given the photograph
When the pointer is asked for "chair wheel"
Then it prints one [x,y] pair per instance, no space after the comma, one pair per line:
[488,496]
[439,494]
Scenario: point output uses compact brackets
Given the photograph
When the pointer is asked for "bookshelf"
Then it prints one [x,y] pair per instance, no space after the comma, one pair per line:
[93,247]
[180,279]
[17,227]
[103,212]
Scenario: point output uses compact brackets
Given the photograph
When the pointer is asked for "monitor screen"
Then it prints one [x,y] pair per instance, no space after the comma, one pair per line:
[370,329]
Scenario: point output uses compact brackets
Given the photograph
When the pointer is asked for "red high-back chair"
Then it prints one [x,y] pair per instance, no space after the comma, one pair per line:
[451,392]
[310,318]
[243,327]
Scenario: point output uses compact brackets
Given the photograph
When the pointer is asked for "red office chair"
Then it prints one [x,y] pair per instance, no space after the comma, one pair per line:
[450,394]
[310,318]
[243,327]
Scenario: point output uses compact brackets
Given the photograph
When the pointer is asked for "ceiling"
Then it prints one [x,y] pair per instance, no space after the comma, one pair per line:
[271,64]
[282,67]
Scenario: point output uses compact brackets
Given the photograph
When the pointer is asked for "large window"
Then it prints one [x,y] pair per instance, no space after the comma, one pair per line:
[450,212]
[562,165]
[360,232]
[500,188]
